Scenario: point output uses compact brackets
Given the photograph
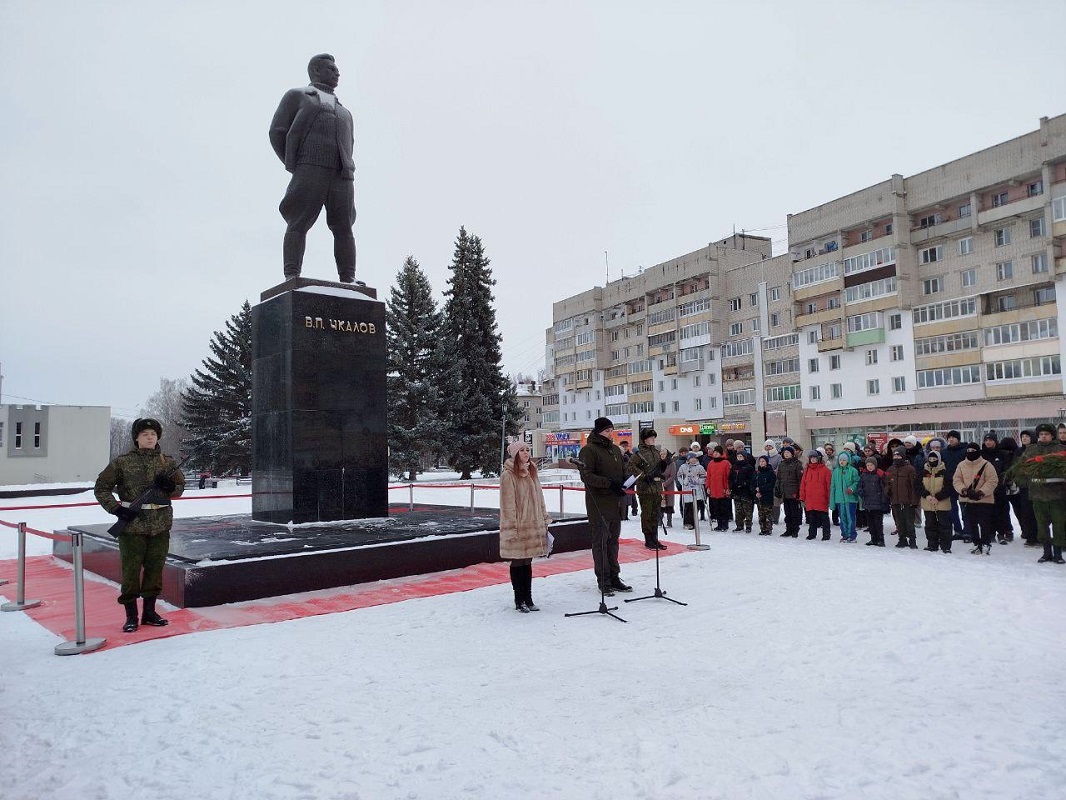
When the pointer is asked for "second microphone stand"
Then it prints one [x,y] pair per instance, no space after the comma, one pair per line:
[659,593]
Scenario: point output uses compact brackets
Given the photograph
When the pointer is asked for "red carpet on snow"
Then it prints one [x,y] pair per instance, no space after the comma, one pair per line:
[52,581]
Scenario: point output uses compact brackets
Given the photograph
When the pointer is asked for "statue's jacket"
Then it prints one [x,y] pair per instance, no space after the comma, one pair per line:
[293,120]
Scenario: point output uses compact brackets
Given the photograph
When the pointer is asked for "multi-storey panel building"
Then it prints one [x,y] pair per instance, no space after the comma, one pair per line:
[930,302]
[701,347]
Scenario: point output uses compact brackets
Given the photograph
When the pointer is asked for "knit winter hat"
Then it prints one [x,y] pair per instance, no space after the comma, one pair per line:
[695,447]
[933,457]
[769,443]
[789,448]
[991,437]
[973,446]
[762,461]
[601,424]
[871,462]
[899,451]
[816,455]
[692,456]
[719,450]
[788,440]
[843,458]
[141,425]
[513,448]
[910,441]
[849,446]
[955,434]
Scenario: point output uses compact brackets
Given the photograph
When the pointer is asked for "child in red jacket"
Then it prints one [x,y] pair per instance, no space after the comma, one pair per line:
[718,492]
[814,494]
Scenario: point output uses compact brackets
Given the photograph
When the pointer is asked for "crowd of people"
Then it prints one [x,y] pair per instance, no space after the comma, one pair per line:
[953,490]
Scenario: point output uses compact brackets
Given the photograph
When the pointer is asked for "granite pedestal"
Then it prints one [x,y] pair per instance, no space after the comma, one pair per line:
[319,431]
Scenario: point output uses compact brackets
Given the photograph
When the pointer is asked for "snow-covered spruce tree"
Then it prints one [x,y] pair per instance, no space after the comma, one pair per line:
[413,336]
[218,404]
[476,394]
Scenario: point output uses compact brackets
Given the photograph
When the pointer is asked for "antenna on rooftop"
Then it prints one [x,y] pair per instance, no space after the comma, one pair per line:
[607,266]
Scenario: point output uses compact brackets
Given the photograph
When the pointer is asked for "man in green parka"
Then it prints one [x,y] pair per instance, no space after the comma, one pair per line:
[602,473]
[144,543]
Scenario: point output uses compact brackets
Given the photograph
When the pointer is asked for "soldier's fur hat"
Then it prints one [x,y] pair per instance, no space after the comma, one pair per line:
[145,424]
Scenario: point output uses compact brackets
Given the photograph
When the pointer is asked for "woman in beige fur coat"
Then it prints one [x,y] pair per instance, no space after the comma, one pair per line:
[523,522]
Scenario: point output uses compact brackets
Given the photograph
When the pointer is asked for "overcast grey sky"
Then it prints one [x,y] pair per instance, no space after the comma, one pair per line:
[138,204]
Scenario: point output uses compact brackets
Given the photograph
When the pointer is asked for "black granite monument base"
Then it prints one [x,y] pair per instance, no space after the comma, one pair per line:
[216,560]
[319,431]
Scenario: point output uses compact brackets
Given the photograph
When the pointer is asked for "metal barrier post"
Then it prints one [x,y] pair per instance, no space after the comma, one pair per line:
[696,527]
[561,500]
[21,603]
[471,495]
[80,645]
[410,497]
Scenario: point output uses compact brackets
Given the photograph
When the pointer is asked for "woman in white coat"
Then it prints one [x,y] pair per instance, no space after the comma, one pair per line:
[523,522]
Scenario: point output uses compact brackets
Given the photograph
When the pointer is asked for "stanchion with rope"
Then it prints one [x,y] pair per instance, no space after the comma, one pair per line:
[80,643]
[410,497]
[21,603]
[471,496]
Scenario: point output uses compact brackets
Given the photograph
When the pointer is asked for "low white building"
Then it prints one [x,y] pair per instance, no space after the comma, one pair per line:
[53,444]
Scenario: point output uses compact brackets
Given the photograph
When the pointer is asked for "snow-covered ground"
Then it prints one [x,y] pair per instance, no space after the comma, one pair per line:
[798,670]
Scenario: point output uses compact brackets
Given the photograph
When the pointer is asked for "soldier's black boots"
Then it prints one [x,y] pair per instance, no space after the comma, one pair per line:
[131,617]
[148,616]
[1047,554]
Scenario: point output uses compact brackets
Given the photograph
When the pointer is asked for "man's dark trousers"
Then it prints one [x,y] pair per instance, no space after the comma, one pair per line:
[311,188]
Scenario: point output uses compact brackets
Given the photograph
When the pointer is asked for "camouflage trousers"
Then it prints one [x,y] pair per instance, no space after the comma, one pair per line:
[650,511]
[142,553]
[744,506]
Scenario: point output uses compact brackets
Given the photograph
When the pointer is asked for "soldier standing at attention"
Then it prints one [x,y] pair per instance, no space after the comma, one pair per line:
[648,464]
[144,543]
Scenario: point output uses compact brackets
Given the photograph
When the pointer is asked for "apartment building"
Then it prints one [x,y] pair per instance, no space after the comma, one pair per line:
[931,302]
[699,347]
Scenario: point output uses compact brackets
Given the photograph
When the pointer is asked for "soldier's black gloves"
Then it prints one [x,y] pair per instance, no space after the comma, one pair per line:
[164,483]
[618,488]
[125,514]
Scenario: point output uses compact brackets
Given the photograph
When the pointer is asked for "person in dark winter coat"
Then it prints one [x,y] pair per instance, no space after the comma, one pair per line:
[814,494]
[1019,499]
[888,453]
[602,475]
[787,487]
[873,499]
[741,476]
[1048,497]
[975,482]
[936,503]
[669,489]
[762,483]
[953,455]
[145,541]
[993,454]
[901,486]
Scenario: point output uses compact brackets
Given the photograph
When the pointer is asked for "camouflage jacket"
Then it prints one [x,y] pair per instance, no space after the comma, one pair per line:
[131,474]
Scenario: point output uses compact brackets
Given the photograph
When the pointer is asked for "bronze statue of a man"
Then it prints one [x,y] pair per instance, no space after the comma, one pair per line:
[313,135]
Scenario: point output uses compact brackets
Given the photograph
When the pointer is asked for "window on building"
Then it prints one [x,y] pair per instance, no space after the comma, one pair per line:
[673,383]
[1036,228]
[695,380]
[1005,302]
[1002,237]
[964,210]
[834,362]
[775,320]
[888,229]
[933,285]
[969,277]
[873,386]
[899,384]
[712,379]
[662,408]
[676,406]
[931,254]
[816,393]
[1035,188]
[866,236]
[810,308]
[755,325]
[18,435]
[812,365]
[833,302]
[951,376]
[1004,270]
[736,329]
[1022,368]
[698,404]
[1039,261]
[871,357]
[929,221]
[753,299]
[965,245]
[812,337]
[895,322]
[37,436]
[1000,199]
[734,304]
[896,352]
[1058,209]
[1044,295]
[836,390]
[775,294]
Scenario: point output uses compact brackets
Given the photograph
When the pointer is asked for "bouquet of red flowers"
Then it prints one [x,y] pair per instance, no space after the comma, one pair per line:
[1041,468]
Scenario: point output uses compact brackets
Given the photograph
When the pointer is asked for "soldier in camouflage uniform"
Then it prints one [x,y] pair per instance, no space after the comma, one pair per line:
[1048,497]
[144,543]
[648,463]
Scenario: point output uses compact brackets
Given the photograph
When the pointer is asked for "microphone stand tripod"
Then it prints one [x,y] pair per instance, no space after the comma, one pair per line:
[659,593]
[603,608]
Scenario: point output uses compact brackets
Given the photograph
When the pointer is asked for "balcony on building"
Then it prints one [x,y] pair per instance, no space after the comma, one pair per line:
[827,307]
[1017,304]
